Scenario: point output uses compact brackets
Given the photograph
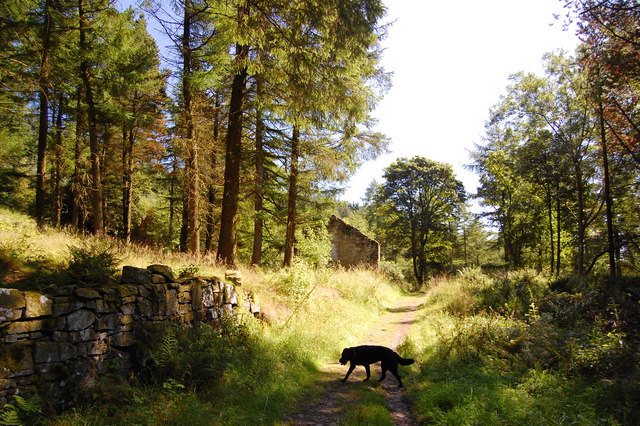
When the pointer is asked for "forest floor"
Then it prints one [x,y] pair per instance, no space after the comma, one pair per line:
[327,402]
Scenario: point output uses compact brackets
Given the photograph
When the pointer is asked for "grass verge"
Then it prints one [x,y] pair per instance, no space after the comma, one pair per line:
[513,350]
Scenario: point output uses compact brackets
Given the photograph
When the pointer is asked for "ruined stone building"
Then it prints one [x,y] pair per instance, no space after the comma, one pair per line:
[350,246]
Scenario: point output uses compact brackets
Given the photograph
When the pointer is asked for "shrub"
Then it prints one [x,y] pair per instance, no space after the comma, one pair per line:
[314,246]
[92,264]
[513,293]
[294,282]
[196,357]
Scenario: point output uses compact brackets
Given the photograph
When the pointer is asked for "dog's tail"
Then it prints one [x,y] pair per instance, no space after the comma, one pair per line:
[405,361]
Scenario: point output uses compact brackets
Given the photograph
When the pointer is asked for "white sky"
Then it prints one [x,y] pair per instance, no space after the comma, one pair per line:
[451,62]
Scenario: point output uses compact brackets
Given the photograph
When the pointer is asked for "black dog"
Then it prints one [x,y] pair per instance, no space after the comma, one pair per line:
[365,355]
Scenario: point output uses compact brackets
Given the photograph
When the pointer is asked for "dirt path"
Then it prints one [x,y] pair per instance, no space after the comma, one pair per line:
[326,407]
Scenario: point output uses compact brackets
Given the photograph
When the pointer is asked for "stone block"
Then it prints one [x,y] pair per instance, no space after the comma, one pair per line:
[64,308]
[16,360]
[163,270]
[158,279]
[82,336]
[230,295]
[12,304]
[60,336]
[123,339]
[87,293]
[208,297]
[18,327]
[107,322]
[171,302]
[47,352]
[133,275]
[146,307]
[68,351]
[103,307]
[184,296]
[80,320]
[128,308]
[37,305]
[234,277]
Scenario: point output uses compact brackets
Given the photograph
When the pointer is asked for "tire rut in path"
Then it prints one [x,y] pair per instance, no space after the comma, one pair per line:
[327,407]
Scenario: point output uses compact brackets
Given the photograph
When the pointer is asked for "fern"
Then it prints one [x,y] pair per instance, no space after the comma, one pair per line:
[22,412]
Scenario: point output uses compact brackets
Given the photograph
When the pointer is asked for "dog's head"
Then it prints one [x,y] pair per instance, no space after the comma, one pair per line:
[347,355]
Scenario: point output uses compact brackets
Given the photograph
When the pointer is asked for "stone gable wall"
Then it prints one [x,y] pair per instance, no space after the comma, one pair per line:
[68,337]
[350,247]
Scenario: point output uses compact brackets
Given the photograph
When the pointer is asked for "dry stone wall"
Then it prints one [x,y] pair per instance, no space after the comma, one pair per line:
[66,338]
[350,247]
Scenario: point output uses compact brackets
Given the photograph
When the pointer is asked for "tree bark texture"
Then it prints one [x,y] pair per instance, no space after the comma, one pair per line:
[258,221]
[96,184]
[230,196]
[43,127]
[192,183]
[292,200]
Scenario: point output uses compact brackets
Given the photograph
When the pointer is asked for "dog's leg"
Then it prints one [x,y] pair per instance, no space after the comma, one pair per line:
[394,370]
[366,367]
[383,372]
[351,367]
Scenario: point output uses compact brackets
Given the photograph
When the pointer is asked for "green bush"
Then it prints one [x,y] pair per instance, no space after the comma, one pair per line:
[294,282]
[92,264]
[196,357]
[514,292]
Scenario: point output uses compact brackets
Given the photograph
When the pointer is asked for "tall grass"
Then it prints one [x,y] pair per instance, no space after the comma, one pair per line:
[510,350]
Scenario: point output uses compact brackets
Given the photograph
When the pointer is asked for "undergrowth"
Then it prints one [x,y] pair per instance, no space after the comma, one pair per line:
[512,349]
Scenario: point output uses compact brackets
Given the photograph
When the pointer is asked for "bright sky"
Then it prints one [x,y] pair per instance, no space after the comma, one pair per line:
[451,62]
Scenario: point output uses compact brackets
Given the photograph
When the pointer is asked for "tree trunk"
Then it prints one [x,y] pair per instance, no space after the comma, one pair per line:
[96,184]
[558,231]
[57,171]
[582,225]
[172,194]
[43,128]
[211,195]
[258,221]
[127,178]
[607,193]
[192,184]
[292,200]
[550,219]
[76,187]
[231,191]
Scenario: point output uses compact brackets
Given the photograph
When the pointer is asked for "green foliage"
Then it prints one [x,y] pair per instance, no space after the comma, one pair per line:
[197,357]
[418,206]
[508,349]
[188,271]
[314,246]
[294,282]
[92,264]
[22,412]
